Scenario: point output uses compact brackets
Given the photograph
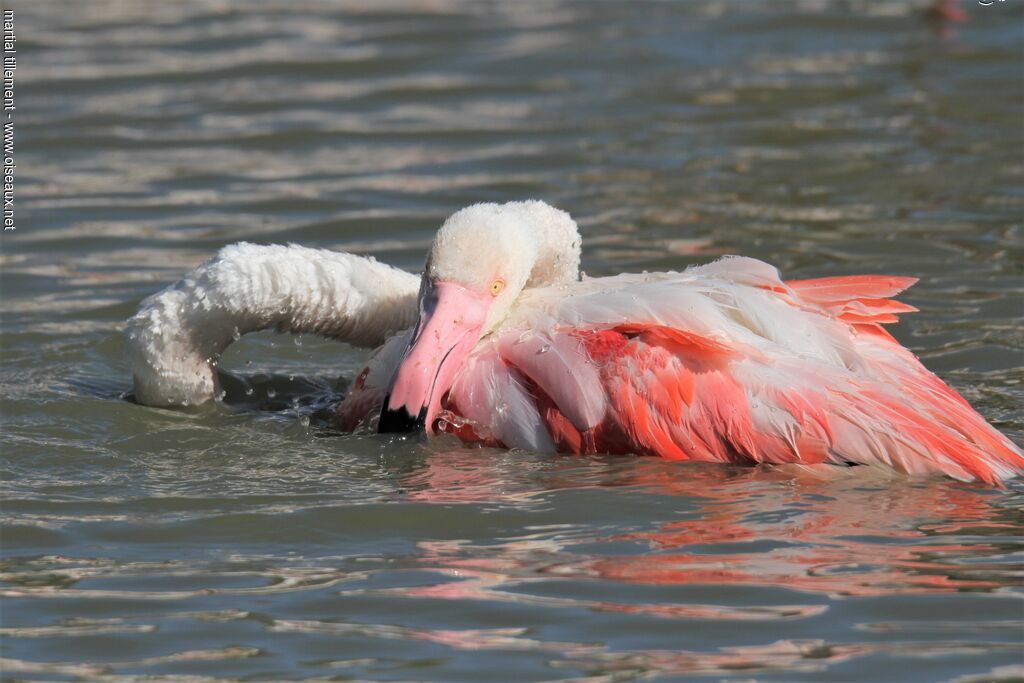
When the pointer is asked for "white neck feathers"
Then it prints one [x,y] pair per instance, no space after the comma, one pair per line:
[557,240]
[176,338]
[174,341]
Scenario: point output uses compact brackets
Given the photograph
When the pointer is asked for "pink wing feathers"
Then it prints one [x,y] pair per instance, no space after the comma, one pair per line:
[728,363]
[856,298]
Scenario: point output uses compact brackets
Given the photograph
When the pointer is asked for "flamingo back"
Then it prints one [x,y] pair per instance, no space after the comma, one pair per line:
[729,363]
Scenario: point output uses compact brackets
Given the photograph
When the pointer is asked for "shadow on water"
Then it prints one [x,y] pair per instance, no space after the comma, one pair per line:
[312,397]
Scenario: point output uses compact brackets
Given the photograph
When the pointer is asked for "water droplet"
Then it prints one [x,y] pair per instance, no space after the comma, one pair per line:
[544,349]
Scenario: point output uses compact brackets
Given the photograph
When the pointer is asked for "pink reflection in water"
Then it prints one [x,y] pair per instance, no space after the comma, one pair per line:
[838,532]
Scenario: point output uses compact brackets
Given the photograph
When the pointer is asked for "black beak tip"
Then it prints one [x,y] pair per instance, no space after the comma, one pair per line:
[400,421]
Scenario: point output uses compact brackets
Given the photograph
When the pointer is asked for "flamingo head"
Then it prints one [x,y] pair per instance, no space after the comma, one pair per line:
[482,258]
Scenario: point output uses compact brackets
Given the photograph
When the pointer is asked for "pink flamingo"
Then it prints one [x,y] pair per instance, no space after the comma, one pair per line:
[505,344]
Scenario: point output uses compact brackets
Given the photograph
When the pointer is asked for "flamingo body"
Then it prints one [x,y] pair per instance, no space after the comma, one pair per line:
[724,362]
[729,364]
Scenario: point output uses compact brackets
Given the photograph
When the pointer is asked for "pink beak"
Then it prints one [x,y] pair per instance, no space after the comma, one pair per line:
[451,318]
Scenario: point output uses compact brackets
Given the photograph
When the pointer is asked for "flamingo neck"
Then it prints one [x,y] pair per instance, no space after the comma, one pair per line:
[557,240]
[176,338]
[554,241]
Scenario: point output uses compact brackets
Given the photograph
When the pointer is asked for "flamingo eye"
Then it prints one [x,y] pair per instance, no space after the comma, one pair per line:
[497,286]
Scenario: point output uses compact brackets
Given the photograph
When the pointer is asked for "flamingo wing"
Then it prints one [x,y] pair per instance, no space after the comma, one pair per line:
[729,363]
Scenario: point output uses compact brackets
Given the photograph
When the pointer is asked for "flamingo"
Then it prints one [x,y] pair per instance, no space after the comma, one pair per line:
[502,342]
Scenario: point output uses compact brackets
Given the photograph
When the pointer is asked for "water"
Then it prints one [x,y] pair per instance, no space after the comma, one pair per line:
[250,542]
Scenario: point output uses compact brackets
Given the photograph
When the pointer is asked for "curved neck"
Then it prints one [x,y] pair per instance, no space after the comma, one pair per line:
[557,240]
[177,336]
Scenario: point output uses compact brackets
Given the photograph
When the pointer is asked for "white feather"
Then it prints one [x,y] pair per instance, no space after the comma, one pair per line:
[174,341]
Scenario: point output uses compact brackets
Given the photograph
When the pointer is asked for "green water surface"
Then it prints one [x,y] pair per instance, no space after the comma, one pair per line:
[249,542]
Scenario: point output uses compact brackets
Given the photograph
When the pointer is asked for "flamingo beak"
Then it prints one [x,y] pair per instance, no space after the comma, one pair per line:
[451,318]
